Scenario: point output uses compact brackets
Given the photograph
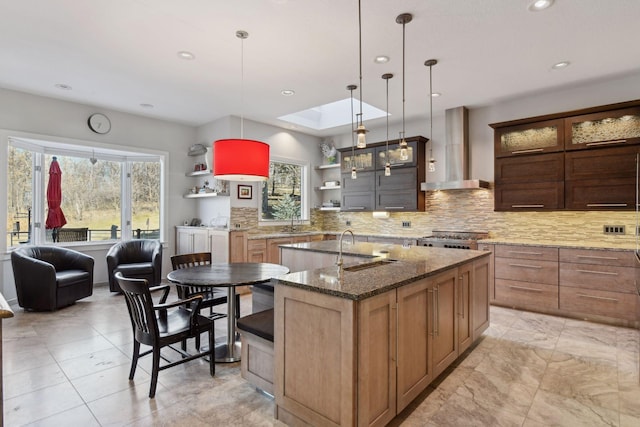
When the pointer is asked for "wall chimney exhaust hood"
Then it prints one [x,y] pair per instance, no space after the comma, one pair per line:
[456,155]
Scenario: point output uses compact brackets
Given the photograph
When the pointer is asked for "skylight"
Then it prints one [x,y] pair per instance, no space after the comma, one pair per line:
[332,115]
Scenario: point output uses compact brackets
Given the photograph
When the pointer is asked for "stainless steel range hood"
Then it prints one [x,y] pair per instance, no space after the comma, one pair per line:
[456,155]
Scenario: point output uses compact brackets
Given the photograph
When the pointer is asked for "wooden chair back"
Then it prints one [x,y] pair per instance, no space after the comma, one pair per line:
[190,260]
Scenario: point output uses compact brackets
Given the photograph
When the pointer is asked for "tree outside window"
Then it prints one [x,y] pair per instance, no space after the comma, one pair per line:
[283,197]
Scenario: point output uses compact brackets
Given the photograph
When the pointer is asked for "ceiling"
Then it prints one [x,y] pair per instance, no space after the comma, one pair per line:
[119,54]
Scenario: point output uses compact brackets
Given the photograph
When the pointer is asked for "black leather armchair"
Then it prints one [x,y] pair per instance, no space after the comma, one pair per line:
[136,259]
[51,277]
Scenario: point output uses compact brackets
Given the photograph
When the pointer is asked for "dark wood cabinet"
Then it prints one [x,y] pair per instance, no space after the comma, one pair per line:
[523,139]
[592,165]
[372,190]
[606,128]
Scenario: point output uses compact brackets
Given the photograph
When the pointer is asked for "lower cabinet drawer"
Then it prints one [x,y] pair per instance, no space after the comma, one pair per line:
[526,270]
[526,295]
[603,303]
[601,277]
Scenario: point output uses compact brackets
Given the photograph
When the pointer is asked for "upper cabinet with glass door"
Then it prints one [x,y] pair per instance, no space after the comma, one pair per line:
[396,155]
[530,138]
[362,159]
[605,128]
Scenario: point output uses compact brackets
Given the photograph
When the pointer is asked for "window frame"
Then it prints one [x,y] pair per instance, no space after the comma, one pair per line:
[305,194]
[41,145]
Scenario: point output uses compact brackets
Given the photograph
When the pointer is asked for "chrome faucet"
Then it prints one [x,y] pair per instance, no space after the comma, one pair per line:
[339,261]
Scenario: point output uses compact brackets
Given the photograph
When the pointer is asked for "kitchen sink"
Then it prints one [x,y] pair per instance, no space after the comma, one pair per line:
[367,265]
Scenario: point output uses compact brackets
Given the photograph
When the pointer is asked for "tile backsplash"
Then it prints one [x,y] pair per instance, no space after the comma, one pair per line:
[470,210]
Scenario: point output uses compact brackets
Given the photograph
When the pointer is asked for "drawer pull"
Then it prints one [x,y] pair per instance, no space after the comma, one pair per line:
[525,253]
[525,266]
[616,141]
[531,150]
[524,288]
[355,208]
[527,206]
[606,205]
[394,207]
[595,297]
[610,258]
[608,273]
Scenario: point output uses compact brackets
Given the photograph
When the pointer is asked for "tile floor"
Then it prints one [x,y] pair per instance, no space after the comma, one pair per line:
[70,367]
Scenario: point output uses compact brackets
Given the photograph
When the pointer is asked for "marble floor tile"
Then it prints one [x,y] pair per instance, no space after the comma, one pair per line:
[71,367]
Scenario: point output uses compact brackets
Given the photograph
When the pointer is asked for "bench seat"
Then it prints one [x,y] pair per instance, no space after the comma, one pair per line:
[257,362]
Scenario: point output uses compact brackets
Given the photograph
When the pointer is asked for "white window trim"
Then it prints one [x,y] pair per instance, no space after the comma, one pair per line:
[46,144]
[305,197]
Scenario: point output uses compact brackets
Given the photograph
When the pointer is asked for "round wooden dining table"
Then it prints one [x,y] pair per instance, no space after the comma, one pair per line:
[228,275]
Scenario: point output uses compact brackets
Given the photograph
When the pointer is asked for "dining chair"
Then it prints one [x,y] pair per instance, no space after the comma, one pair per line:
[212,296]
[164,324]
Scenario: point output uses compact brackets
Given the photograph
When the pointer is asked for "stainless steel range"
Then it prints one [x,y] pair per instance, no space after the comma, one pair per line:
[453,239]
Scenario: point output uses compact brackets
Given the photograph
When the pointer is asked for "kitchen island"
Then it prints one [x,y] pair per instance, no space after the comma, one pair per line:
[356,346]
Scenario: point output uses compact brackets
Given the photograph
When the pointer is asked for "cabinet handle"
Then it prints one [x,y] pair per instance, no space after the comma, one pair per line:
[394,357]
[461,297]
[607,273]
[611,258]
[526,266]
[596,297]
[527,206]
[525,253]
[394,207]
[606,205]
[355,208]
[524,288]
[531,150]
[437,304]
[616,141]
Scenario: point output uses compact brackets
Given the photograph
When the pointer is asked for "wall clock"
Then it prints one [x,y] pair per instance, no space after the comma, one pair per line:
[99,123]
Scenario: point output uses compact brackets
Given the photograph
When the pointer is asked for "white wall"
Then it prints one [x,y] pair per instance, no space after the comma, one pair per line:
[43,118]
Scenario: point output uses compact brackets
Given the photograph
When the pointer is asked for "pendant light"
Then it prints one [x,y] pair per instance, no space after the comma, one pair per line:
[361,130]
[387,166]
[241,159]
[403,19]
[354,174]
[432,162]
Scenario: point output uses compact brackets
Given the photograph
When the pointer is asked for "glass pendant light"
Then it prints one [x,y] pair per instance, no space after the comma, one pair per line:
[354,174]
[361,130]
[432,162]
[387,166]
[403,19]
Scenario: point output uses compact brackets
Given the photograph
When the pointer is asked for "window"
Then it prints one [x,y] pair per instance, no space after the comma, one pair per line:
[284,196]
[106,194]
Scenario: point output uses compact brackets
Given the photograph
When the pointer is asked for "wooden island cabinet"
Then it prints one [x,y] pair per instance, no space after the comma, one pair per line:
[355,348]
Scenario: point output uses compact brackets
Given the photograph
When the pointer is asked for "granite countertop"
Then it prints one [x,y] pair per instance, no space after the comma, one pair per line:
[284,234]
[583,244]
[407,264]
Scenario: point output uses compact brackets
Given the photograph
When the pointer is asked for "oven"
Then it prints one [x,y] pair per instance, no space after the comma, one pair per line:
[453,239]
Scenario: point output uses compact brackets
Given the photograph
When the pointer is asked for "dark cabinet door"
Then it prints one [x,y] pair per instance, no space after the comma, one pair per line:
[601,194]
[398,191]
[534,196]
[605,128]
[358,202]
[399,200]
[534,168]
[538,137]
[364,182]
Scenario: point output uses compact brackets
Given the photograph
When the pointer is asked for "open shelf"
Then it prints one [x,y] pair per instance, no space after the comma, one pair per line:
[331,166]
[198,173]
[335,208]
[329,188]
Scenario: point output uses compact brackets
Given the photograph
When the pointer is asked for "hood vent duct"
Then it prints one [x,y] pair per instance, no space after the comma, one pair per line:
[456,155]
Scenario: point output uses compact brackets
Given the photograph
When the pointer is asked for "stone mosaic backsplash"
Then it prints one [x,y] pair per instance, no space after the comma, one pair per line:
[468,210]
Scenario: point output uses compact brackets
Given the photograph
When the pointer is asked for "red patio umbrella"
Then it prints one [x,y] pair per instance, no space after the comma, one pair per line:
[55,216]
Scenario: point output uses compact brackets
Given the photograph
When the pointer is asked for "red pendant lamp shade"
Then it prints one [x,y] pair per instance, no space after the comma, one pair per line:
[240,160]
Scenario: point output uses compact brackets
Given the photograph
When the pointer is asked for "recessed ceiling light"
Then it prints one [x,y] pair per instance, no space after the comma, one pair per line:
[287,92]
[435,94]
[183,54]
[381,59]
[560,65]
[146,105]
[539,5]
[63,86]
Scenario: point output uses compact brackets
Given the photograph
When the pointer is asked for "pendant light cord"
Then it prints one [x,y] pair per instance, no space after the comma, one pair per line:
[431,108]
[353,135]
[403,42]
[242,35]
[360,52]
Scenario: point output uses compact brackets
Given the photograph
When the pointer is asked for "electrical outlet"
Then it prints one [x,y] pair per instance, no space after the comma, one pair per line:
[613,229]
[406,224]
[348,223]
